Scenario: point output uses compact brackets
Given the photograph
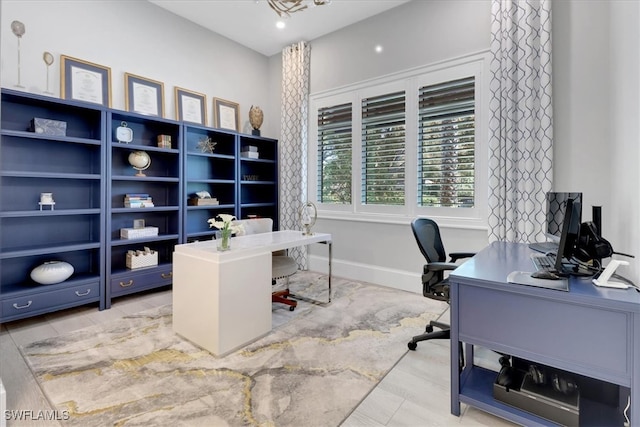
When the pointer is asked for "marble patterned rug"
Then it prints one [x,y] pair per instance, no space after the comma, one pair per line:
[313,369]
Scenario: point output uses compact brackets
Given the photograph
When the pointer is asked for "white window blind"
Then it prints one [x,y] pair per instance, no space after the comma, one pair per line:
[446,144]
[383,149]
[334,154]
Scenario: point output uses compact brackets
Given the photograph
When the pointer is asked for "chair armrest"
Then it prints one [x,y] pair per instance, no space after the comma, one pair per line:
[440,266]
[459,255]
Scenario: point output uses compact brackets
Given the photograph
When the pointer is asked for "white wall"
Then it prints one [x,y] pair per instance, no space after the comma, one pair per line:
[624,215]
[596,51]
[581,85]
[136,37]
[415,34]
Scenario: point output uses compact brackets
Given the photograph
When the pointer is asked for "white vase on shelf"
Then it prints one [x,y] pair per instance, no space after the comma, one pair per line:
[52,272]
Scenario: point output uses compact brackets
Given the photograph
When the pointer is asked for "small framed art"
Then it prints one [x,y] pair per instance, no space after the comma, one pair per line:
[226,114]
[143,96]
[191,106]
[85,81]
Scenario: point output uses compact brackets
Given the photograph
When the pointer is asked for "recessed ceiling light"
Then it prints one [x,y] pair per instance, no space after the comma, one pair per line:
[379,49]
[280,24]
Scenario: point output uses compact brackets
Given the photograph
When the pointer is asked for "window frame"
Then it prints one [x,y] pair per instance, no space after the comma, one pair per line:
[476,65]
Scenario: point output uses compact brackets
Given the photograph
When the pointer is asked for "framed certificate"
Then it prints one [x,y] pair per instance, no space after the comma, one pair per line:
[144,96]
[191,106]
[85,81]
[226,114]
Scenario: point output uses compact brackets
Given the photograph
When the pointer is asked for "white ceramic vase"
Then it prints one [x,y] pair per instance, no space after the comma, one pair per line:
[52,272]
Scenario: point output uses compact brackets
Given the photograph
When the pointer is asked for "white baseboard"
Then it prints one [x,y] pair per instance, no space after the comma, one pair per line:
[397,279]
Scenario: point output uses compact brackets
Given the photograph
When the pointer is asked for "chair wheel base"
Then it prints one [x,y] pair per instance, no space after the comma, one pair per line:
[282,298]
[412,345]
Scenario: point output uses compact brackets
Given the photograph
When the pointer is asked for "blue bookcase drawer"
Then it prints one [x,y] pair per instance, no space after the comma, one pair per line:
[42,302]
[136,281]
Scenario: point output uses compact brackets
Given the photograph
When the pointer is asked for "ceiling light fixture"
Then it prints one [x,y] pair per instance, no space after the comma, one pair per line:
[284,8]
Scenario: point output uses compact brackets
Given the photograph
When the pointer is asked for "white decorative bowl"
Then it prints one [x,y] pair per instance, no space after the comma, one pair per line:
[52,272]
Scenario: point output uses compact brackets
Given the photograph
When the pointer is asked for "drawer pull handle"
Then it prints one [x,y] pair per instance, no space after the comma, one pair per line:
[83,293]
[126,285]
[20,307]
[167,275]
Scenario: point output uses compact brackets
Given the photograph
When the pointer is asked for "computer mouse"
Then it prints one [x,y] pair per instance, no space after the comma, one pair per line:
[545,274]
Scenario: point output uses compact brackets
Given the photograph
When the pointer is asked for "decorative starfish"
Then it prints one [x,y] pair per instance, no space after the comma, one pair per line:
[206,145]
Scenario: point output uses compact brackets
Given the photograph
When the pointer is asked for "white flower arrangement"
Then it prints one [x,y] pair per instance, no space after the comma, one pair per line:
[226,228]
[225,223]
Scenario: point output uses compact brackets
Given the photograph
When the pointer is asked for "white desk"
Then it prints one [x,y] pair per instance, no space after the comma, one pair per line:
[222,300]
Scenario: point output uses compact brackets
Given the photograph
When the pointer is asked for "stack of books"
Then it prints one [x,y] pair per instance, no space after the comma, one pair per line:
[206,201]
[138,200]
[250,152]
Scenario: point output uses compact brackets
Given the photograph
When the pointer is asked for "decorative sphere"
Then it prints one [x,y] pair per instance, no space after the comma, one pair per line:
[139,159]
[52,272]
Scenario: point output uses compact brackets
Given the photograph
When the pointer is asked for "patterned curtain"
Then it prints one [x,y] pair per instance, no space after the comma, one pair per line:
[520,123]
[293,139]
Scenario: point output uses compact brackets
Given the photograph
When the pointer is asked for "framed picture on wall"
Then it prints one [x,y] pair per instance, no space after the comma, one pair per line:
[143,96]
[226,114]
[85,81]
[191,106]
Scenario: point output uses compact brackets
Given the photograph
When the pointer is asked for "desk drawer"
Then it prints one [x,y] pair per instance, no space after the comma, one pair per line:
[553,331]
[139,280]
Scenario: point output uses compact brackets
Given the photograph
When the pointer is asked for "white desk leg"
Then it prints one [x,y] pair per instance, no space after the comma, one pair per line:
[199,287]
[3,404]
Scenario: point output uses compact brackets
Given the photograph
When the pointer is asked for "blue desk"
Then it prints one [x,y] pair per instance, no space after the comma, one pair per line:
[590,331]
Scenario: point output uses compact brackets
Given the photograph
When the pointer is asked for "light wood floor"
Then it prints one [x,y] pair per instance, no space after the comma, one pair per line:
[415,393]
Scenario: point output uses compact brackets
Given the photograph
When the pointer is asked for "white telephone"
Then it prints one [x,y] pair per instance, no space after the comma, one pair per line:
[603,280]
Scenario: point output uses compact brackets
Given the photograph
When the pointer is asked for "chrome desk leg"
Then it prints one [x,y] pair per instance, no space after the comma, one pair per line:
[330,258]
[311,300]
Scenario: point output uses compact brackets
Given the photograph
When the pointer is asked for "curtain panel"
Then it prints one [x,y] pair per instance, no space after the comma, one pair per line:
[293,140]
[520,119]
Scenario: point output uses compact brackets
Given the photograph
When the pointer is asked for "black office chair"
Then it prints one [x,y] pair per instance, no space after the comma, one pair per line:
[434,284]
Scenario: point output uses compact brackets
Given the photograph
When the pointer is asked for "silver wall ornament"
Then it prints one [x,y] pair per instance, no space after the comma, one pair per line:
[18,29]
[47,57]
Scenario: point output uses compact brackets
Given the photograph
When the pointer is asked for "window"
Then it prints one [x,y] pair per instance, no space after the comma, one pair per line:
[383,149]
[334,154]
[446,144]
[405,145]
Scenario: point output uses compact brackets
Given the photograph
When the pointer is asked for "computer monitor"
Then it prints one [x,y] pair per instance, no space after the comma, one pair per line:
[568,238]
[556,208]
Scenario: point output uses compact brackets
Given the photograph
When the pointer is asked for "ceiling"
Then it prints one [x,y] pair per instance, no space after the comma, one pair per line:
[252,23]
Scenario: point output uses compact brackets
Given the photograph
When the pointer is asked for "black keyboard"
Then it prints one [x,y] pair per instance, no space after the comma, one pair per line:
[547,262]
